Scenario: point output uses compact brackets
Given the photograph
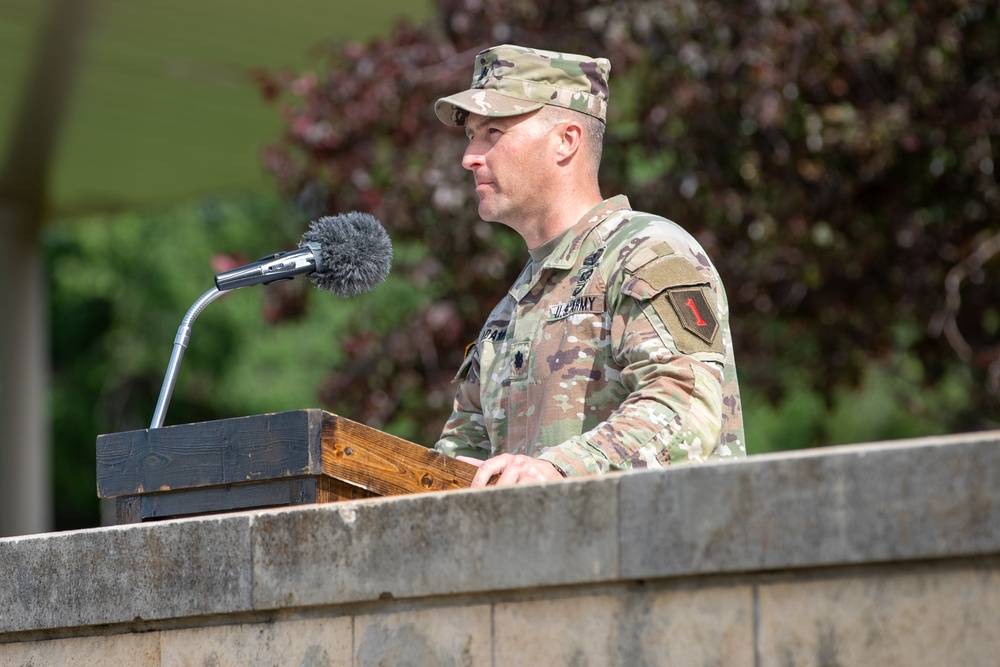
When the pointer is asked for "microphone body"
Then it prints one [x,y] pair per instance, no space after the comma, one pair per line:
[346,254]
[273,268]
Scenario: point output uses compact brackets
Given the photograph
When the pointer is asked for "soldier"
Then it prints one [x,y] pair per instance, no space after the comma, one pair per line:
[612,350]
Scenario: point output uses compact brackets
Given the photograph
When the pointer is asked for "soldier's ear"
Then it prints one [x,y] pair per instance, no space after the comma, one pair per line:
[570,137]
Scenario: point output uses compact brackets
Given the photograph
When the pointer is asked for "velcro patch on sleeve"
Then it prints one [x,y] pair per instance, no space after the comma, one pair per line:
[643,256]
[671,271]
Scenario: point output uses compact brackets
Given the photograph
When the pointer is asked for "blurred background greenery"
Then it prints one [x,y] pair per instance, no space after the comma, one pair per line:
[835,159]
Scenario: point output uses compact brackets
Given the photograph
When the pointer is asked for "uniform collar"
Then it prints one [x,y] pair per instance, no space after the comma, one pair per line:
[565,254]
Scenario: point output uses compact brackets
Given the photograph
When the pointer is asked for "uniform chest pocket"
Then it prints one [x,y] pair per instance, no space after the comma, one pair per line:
[574,336]
[504,362]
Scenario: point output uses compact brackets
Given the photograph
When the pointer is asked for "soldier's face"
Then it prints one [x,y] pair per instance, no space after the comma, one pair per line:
[510,160]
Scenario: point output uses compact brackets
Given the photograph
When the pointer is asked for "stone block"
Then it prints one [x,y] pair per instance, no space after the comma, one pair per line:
[444,637]
[918,618]
[907,500]
[643,626]
[126,650]
[115,575]
[311,642]
[437,544]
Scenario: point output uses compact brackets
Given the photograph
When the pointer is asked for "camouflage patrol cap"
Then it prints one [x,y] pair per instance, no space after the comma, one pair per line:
[509,80]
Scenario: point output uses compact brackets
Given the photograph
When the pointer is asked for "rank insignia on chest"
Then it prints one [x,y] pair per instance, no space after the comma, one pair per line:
[518,359]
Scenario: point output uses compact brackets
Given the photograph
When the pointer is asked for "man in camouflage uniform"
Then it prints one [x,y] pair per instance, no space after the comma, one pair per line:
[612,350]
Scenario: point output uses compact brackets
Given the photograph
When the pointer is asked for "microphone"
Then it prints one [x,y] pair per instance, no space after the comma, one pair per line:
[346,254]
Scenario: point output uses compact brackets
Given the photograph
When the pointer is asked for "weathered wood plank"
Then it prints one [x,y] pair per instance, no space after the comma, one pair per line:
[231,497]
[385,464]
[330,490]
[236,497]
[128,509]
[213,453]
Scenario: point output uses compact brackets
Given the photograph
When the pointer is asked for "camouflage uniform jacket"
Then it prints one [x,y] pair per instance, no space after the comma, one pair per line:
[613,352]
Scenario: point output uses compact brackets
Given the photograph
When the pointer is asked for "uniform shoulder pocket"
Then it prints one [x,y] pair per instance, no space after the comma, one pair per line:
[682,298]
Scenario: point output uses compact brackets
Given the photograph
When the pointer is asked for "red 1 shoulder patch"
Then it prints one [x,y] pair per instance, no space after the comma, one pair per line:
[695,312]
[689,316]
[683,300]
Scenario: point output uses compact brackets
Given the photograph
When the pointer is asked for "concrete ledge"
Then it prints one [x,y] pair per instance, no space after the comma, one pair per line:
[437,544]
[117,575]
[525,562]
[899,501]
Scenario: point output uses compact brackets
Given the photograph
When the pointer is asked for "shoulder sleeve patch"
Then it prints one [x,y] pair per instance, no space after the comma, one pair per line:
[695,312]
[690,317]
[671,290]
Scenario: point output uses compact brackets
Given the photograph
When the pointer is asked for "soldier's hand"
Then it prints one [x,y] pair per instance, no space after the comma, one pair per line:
[512,469]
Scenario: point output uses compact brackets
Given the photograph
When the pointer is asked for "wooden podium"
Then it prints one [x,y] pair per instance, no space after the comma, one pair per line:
[273,460]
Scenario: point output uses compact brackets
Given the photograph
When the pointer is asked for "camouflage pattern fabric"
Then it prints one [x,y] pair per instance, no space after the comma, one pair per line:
[510,80]
[612,353]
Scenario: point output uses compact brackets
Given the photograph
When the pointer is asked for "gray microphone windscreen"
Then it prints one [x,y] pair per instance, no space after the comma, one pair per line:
[355,253]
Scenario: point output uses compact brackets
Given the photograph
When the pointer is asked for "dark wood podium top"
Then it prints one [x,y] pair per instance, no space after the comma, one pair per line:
[284,458]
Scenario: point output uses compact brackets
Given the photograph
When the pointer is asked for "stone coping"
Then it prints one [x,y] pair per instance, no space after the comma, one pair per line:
[906,500]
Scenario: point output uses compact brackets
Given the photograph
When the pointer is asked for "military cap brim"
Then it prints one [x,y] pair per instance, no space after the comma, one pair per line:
[454,109]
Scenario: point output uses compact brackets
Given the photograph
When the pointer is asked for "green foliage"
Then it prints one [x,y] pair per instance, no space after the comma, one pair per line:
[835,159]
[891,402]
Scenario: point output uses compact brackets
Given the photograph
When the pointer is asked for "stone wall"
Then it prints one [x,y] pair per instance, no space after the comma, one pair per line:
[879,554]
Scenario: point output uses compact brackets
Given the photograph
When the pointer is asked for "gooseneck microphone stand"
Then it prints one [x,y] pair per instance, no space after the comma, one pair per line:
[180,344]
[271,269]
